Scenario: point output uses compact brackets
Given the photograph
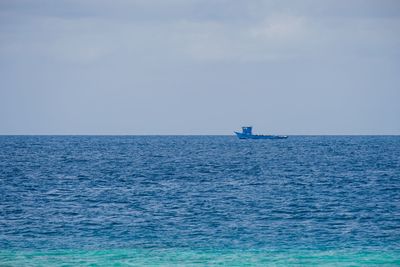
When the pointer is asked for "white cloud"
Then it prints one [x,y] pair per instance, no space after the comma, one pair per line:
[287,28]
[270,39]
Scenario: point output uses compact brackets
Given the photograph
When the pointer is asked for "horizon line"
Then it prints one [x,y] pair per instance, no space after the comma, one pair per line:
[92,134]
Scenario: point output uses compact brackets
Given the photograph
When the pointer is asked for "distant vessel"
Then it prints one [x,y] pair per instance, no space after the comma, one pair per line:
[247,134]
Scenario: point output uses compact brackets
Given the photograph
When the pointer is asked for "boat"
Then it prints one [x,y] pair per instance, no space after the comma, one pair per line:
[247,134]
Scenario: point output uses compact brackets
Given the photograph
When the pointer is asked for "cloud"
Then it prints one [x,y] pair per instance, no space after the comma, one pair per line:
[268,40]
[172,30]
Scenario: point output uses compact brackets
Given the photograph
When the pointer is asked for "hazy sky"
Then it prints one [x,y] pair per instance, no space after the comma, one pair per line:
[199,66]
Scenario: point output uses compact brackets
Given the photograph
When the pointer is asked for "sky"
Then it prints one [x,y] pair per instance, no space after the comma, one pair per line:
[138,67]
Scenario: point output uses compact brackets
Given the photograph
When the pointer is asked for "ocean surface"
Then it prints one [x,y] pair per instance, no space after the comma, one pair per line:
[199,201]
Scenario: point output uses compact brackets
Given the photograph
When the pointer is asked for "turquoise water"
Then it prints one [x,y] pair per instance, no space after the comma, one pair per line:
[185,257]
[195,201]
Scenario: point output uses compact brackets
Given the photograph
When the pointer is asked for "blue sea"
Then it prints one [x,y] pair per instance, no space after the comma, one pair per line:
[199,201]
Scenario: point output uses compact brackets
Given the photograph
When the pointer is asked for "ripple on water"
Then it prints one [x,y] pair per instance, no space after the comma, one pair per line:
[109,192]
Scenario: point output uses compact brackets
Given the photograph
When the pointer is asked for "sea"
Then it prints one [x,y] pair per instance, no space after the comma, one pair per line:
[199,201]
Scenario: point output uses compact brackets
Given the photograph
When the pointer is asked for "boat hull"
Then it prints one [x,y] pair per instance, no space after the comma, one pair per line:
[255,136]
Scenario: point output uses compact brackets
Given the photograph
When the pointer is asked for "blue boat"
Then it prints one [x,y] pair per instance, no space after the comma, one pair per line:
[247,134]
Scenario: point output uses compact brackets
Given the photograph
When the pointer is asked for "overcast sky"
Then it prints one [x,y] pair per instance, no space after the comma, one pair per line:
[199,66]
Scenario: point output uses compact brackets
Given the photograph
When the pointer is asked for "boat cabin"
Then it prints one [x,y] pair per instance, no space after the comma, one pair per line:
[247,130]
